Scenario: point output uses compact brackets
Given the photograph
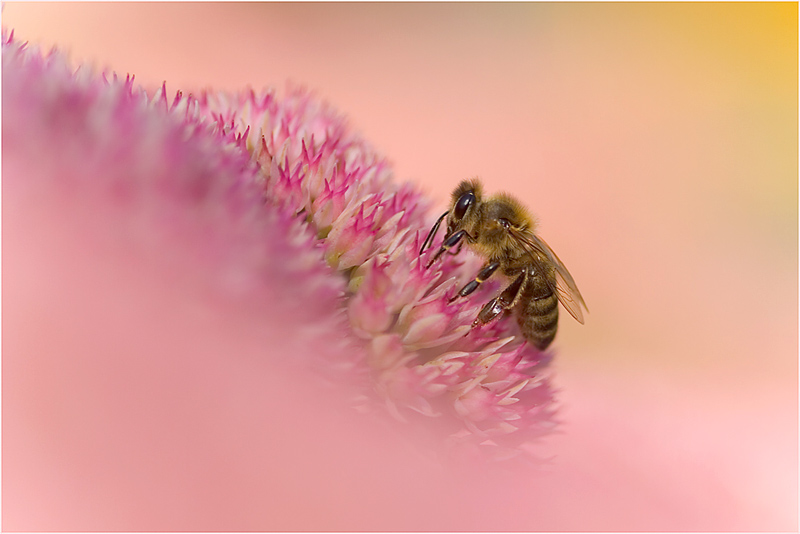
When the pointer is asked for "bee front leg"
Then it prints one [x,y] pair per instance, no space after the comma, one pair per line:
[505,301]
[483,275]
[456,251]
[432,233]
[449,243]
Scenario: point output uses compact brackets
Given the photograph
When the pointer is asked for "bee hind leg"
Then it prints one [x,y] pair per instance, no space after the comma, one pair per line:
[505,301]
[483,275]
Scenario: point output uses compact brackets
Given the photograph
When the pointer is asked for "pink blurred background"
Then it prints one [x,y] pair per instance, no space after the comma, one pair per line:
[658,146]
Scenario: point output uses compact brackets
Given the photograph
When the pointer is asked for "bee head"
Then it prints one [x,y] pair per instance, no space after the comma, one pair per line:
[465,199]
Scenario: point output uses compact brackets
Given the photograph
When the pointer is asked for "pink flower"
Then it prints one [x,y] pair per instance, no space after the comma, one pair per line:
[285,212]
[486,387]
[165,369]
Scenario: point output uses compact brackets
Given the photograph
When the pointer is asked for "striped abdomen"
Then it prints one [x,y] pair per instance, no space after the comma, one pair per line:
[537,311]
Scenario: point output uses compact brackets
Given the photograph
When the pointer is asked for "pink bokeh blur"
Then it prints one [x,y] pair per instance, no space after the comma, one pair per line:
[657,143]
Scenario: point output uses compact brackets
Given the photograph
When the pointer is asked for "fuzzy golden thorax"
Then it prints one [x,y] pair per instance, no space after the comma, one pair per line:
[484,220]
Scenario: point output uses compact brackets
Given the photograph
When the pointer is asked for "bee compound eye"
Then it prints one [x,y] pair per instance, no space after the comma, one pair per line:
[504,223]
[463,203]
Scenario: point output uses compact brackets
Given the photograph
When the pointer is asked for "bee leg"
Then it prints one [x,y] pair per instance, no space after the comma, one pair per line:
[505,301]
[432,233]
[458,249]
[483,275]
[449,243]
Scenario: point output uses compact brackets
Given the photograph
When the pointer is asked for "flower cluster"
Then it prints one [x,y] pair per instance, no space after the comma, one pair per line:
[302,191]
[484,386]
[162,185]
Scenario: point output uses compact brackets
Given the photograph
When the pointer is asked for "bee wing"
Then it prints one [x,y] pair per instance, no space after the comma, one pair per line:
[565,288]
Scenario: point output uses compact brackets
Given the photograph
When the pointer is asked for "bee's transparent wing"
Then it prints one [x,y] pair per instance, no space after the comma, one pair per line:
[565,288]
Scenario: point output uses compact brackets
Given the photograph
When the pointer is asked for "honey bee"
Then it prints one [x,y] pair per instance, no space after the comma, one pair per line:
[501,230]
